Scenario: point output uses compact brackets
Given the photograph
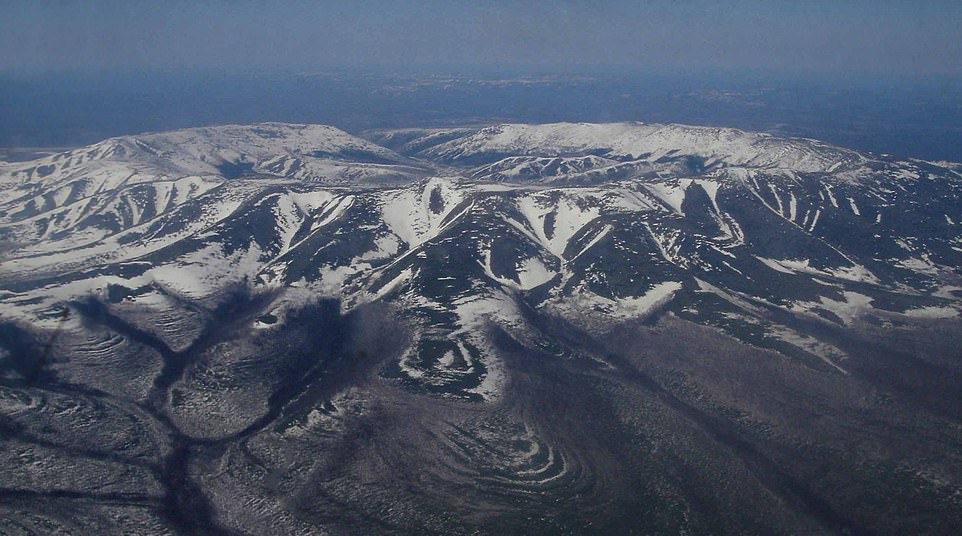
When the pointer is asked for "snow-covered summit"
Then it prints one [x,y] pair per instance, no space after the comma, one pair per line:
[253,142]
[630,141]
[304,152]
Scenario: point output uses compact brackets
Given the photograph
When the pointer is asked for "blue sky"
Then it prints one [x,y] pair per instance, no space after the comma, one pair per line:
[902,38]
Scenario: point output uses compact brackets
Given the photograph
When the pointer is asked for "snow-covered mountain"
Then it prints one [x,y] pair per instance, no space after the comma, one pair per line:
[484,243]
[705,147]
[793,224]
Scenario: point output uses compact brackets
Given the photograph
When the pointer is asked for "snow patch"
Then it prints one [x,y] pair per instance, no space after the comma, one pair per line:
[533,273]
[933,312]
[589,310]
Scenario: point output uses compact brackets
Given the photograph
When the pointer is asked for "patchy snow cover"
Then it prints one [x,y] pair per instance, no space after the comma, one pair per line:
[828,353]
[831,196]
[855,272]
[589,310]
[849,309]
[548,169]
[176,230]
[200,274]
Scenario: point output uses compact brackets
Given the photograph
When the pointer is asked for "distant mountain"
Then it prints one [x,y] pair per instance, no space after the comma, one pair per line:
[544,328]
[623,142]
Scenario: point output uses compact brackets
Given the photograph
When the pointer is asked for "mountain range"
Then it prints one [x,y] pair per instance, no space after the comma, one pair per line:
[557,328]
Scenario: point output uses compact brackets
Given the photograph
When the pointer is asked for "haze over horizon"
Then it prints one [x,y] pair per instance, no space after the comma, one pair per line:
[886,38]
[881,76]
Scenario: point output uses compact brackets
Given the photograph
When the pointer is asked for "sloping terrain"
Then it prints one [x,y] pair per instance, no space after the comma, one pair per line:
[533,328]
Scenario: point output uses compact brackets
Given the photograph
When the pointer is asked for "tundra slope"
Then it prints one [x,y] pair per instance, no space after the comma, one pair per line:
[540,328]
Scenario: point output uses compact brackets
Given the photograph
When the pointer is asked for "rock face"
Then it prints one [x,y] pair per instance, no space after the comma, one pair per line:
[535,328]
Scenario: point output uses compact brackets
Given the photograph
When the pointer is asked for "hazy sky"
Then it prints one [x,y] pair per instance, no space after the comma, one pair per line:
[908,37]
